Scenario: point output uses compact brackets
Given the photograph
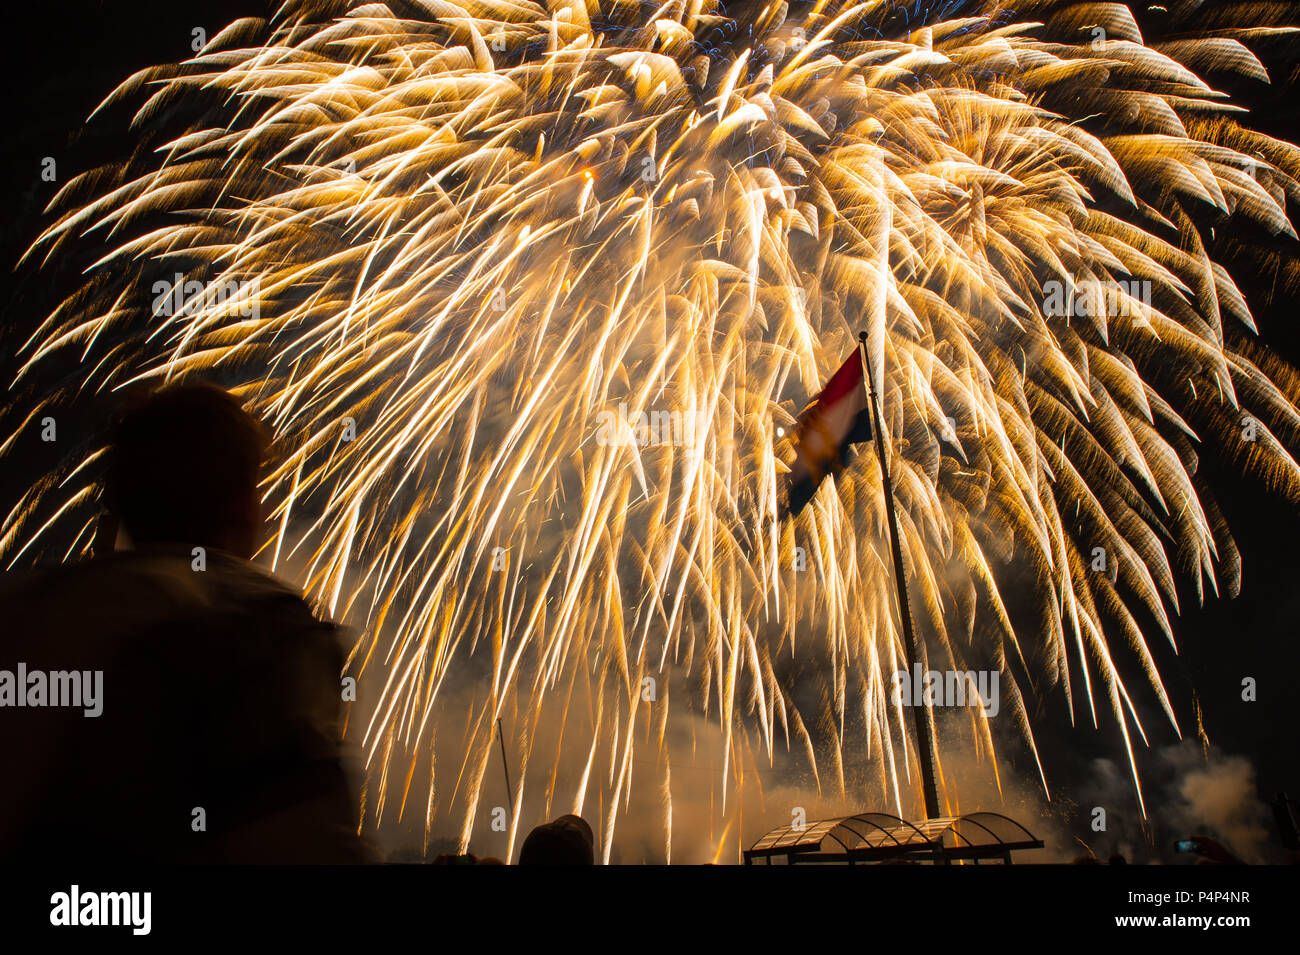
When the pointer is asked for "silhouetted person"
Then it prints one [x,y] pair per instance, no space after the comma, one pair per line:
[217,737]
[1212,852]
[565,841]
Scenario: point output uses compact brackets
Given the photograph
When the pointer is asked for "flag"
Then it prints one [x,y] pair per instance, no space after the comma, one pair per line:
[836,419]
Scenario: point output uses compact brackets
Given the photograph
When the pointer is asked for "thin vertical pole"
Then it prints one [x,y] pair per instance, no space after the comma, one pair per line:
[920,710]
[505,768]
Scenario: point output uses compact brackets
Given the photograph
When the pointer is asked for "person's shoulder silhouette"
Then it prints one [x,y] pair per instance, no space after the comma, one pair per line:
[217,736]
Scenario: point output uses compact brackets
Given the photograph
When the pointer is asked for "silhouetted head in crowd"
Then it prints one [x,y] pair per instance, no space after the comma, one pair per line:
[566,841]
[183,468]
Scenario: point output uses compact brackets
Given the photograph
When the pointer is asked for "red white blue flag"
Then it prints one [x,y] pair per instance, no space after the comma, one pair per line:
[836,419]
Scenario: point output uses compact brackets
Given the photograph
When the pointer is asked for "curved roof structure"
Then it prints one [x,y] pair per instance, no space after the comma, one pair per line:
[879,836]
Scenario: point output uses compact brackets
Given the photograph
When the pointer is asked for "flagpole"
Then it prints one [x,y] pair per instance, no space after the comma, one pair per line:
[505,767]
[920,710]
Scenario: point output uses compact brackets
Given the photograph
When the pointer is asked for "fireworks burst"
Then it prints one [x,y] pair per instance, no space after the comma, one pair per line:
[530,293]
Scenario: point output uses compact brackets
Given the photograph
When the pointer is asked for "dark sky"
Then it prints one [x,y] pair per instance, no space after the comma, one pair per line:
[70,55]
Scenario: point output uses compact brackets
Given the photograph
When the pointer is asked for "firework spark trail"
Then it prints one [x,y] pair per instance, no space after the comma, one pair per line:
[470,233]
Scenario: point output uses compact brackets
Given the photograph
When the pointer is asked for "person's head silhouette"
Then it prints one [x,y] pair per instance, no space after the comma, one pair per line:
[183,468]
[564,841]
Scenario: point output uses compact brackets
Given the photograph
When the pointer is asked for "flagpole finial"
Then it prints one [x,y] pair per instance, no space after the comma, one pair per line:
[862,337]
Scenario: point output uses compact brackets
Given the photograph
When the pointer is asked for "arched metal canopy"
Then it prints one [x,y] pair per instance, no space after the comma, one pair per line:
[880,837]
